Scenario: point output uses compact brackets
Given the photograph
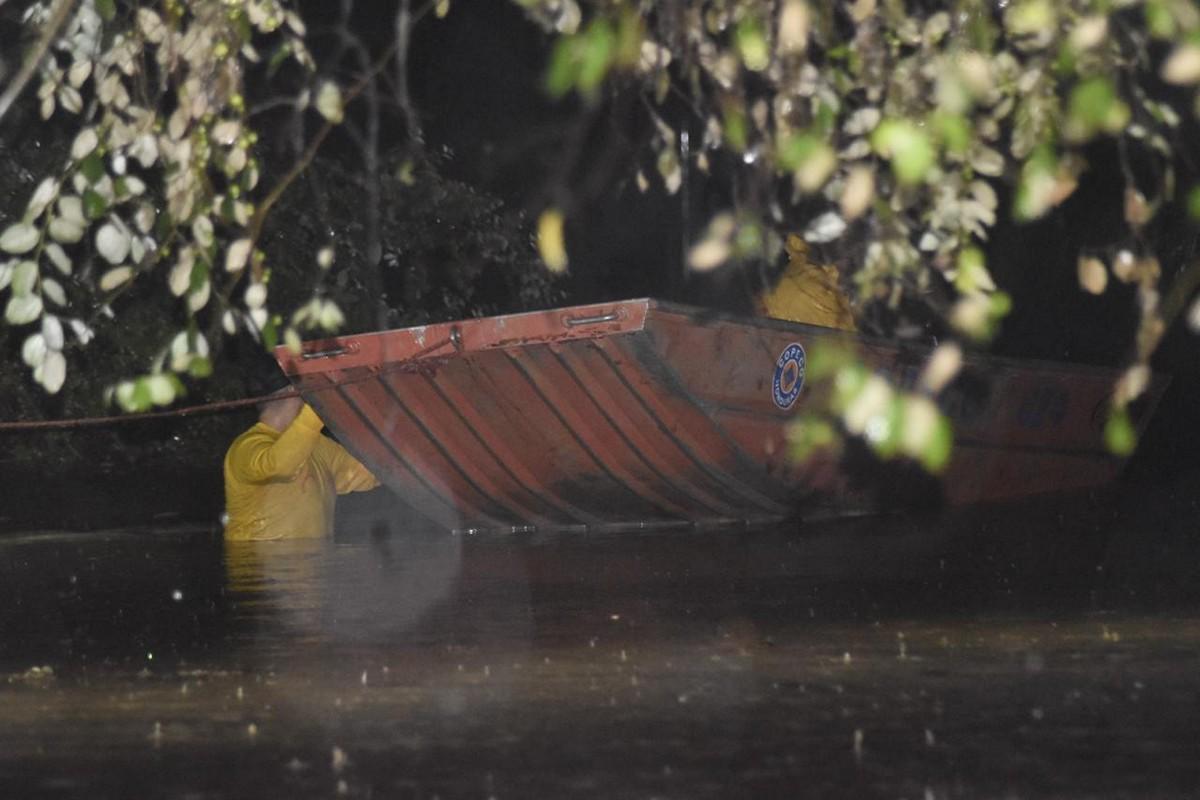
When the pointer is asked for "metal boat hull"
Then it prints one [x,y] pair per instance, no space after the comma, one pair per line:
[652,414]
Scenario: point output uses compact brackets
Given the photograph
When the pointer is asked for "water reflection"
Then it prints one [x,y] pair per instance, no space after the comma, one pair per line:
[335,591]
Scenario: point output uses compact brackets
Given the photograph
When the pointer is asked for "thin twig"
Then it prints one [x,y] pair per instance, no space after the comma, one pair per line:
[58,18]
[404,23]
[310,152]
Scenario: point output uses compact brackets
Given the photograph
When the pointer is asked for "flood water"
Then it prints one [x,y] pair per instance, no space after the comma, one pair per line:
[1036,653]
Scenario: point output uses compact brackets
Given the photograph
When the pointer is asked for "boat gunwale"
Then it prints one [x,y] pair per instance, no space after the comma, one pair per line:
[635,323]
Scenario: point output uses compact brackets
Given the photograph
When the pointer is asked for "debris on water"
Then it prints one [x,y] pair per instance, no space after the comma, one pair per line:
[929,740]
[592,642]
[252,730]
[177,596]
[614,617]
[342,788]
[858,744]
[338,759]
[1037,713]
[296,765]
[363,679]
[35,675]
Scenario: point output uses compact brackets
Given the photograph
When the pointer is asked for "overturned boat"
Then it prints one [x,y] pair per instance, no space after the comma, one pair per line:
[651,414]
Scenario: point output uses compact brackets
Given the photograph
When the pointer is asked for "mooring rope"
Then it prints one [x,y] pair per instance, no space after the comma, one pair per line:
[224,405]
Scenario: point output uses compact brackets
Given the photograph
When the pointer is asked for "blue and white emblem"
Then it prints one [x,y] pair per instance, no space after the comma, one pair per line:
[789,376]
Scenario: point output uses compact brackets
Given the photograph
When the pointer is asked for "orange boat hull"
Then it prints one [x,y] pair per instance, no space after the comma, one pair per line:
[642,413]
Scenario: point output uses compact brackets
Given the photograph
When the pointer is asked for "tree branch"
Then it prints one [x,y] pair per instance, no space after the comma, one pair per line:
[310,152]
[58,18]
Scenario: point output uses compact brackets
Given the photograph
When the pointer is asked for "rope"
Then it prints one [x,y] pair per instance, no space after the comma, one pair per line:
[218,406]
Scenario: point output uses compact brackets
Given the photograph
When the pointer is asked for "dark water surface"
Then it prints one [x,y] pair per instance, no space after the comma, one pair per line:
[1030,654]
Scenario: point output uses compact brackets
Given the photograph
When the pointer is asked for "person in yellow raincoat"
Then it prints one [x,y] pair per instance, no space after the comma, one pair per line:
[808,292]
[282,476]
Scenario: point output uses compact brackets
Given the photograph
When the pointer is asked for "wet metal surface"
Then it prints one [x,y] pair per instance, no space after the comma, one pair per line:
[873,659]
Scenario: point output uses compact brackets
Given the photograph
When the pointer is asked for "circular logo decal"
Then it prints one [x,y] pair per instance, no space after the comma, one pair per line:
[789,376]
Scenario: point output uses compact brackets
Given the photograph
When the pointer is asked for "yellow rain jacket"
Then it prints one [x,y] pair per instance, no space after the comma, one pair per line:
[284,485]
[808,292]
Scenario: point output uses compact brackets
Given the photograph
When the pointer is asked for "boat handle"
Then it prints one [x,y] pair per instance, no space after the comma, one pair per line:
[337,351]
[611,316]
[340,350]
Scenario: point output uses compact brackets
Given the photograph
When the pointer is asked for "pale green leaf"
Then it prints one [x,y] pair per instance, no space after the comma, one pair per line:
[329,102]
[20,237]
[33,350]
[85,142]
[52,331]
[23,309]
[58,257]
[66,230]
[237,255]
[53,371]
[115,278]
[24,278]
[112,243]
[70,208]
[1183,65]
[54,292]
[256,295]
[42,197]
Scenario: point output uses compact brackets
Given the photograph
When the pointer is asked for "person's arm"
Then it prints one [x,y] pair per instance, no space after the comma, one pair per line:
[349,474]
[259,460]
